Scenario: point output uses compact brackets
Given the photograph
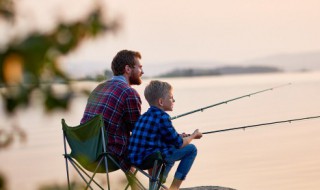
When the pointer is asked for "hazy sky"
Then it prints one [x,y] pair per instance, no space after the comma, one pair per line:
[171,31]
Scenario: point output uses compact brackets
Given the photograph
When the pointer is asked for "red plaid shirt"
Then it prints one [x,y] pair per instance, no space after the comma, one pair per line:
[120,106]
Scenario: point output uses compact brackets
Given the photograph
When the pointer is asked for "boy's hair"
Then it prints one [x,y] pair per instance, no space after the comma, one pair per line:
[123,58]
[156,89]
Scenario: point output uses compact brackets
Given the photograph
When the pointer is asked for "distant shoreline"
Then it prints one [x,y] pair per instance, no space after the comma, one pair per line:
[227,70]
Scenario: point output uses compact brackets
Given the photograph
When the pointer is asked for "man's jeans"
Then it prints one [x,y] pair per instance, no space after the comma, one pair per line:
[187,155]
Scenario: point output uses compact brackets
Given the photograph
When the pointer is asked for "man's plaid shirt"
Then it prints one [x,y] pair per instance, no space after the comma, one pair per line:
[153,132]
[120,106]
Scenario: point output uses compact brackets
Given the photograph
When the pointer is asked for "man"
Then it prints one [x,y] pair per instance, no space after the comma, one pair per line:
[118,102]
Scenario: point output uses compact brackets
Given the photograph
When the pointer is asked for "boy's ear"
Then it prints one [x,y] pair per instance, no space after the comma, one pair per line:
[160,101]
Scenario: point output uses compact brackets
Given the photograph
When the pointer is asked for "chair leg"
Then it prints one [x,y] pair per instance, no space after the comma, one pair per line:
[153,180]
[107,172]
[157,176]
[67,168]
[94,174]
[160,176]
[105,156]
[77,168]
[134,174]
[133,181]
[66,159]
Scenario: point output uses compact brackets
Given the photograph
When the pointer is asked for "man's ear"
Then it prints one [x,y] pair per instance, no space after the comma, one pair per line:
[127,69]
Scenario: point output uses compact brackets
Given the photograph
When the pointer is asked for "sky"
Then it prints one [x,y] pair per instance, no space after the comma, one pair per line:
[169,32]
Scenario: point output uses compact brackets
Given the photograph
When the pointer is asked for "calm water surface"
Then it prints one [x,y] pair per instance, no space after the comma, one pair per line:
[279,157]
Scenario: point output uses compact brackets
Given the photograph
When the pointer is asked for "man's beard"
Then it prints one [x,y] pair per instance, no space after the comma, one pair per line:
[134,79]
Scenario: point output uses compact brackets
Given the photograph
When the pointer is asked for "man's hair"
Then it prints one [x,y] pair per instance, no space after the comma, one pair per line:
[123,58]
[156,89]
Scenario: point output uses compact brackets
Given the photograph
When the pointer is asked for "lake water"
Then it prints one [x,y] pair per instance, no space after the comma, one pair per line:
[278,157]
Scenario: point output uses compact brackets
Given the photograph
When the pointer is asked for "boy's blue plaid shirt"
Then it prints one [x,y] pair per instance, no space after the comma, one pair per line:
[153,132]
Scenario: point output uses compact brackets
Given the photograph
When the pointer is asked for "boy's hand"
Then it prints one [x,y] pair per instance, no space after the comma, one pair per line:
[184,135]
[197,134]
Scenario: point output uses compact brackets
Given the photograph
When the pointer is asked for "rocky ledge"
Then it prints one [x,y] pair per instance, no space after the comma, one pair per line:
[207,188]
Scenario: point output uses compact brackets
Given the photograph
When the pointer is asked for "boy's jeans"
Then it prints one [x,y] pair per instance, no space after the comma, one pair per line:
[187,155]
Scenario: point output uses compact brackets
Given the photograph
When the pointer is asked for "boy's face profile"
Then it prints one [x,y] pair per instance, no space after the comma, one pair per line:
[167,102]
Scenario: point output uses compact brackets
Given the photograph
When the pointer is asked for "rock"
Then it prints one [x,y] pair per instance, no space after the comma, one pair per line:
[207,188]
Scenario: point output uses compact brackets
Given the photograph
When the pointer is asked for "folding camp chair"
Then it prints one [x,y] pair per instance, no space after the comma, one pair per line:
[88,152]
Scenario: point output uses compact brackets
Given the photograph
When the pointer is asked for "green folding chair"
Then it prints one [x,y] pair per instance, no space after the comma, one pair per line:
[88,146]
[89,153]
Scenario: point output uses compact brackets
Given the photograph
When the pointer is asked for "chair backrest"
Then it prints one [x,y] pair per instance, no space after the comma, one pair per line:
[86,144]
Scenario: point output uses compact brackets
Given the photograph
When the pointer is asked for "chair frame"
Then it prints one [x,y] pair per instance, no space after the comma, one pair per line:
[154,179]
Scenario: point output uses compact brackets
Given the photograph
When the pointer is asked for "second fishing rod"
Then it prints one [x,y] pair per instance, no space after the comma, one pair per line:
[227,101]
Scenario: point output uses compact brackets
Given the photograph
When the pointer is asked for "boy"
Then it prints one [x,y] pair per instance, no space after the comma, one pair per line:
[154,132]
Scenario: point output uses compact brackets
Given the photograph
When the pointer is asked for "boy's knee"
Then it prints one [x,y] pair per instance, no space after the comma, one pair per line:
[193,149]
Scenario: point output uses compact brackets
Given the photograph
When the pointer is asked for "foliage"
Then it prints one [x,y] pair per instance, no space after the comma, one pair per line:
[32,63]
[29,64]
[6,9]
[3,184]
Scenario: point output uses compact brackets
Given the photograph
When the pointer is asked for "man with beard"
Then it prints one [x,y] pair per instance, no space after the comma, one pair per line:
[118,103]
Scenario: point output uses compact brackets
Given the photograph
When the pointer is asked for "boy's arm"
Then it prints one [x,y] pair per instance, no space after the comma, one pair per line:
[184,135]
[187,140]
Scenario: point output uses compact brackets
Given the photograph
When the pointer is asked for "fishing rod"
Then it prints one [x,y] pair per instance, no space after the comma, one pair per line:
[262,124]
[225,102]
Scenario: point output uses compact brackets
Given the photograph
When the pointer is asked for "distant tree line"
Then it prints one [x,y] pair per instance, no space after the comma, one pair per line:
[99,77]
[191,72]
